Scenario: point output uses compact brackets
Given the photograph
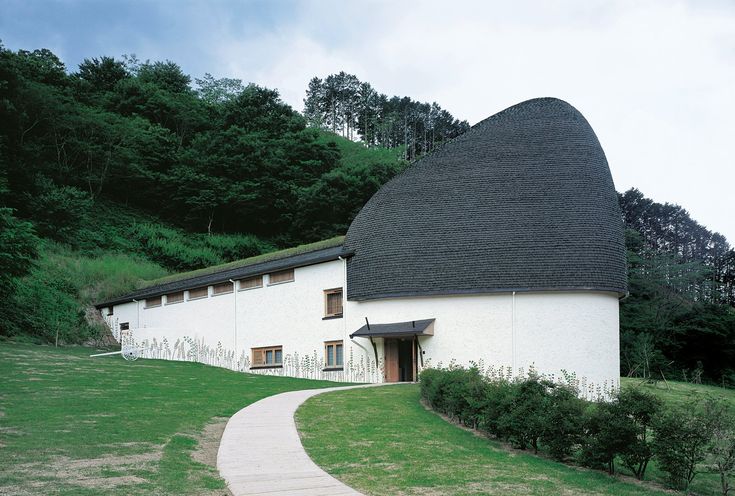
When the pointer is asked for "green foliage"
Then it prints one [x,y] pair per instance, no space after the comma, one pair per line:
[342,103]
[101,74]
[534,412]
[519,411]
[51,301]
[641,408]
[682,436]
[721,451]
[563,421]
[607,434]
[18,251]
[178,251]
[621,428]
[523,420]
[166,75]
[679,319]
[18,246]
[60,211]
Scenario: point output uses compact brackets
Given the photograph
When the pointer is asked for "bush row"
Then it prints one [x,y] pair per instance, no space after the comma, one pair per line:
[631,427]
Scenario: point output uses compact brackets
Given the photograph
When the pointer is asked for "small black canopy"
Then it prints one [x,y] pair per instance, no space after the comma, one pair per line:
[396,329]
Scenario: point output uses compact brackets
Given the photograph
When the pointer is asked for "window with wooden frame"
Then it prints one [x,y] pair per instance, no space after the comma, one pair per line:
[251,283]
[110,310]
[333,354]
[196,293]
[280,277]
[269,356]
[172,298]
[153,302]
[332,303]
[222,288]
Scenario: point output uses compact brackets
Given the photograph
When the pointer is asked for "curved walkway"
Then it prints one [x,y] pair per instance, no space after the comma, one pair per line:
[261,453]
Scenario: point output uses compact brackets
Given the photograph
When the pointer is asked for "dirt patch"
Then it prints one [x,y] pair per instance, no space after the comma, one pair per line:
[208,442]
[63,463]
[88,472]
[208,445]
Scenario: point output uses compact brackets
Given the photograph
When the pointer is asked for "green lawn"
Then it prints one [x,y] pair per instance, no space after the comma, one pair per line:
[679,393]
[383,441]
[70,424]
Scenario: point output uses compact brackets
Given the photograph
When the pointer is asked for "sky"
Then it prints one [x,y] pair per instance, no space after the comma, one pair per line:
[655,79]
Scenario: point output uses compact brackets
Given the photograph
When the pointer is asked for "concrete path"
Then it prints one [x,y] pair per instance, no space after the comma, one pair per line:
[261,453]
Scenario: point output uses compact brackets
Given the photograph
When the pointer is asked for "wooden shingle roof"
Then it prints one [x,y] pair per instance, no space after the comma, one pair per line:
[524,201]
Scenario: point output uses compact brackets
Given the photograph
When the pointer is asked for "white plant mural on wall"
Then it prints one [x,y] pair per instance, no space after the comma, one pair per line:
[312,366]
[186,348]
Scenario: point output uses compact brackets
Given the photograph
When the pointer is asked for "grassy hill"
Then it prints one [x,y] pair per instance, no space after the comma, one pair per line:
[394,445]
[74,425]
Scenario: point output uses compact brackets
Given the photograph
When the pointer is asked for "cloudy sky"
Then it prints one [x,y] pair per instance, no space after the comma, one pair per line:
[656,79]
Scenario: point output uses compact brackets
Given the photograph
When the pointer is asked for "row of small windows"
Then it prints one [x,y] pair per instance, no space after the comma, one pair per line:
[221,288]
[332,298]
[272,356]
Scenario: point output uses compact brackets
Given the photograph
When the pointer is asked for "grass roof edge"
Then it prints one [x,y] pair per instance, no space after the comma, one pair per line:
[264,257]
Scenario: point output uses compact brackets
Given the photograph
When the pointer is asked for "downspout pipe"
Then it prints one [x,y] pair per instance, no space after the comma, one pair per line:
[344,309]
[137,310]
[234,316]
[513,332]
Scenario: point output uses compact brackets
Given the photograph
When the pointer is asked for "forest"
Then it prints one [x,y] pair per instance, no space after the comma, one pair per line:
[343,104]
[123,170]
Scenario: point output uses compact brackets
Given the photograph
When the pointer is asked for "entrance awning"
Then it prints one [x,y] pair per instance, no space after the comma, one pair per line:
[396,329]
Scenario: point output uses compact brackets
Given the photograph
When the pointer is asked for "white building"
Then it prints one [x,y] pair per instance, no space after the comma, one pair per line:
[504,248]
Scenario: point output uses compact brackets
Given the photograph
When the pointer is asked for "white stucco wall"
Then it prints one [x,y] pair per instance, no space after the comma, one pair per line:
[576,332]
[288,314]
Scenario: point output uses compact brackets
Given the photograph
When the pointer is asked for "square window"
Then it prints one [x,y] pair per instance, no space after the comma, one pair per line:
[333,302]
[333,354]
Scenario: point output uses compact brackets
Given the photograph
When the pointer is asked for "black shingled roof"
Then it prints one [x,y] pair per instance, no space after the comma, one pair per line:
[524,201]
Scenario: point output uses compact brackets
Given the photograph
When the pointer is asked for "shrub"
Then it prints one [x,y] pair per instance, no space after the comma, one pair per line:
[721,451]
[608,432]
[522,422]
[456,392]
[563,421]
[499,394]
[641,409]
[681,438]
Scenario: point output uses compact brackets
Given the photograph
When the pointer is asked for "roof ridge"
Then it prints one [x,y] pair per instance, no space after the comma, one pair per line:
[481,125]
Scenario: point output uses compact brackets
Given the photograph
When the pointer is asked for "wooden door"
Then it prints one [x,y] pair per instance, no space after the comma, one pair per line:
[390,352]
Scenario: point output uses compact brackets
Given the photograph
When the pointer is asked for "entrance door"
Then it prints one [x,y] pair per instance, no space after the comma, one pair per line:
[391,360]
[399,360]
[405,360]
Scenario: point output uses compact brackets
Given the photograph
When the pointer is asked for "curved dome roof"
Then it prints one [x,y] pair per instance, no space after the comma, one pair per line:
[523,201]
